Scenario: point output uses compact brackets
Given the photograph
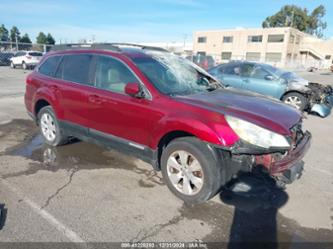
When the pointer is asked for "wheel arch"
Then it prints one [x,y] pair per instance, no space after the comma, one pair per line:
[166,139]
[292,91]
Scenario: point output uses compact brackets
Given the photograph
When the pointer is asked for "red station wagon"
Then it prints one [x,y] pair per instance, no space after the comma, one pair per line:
[167,111]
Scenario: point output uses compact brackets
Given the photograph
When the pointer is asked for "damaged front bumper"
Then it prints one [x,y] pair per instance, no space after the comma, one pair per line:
[282,164]
[320,99]
[323,109]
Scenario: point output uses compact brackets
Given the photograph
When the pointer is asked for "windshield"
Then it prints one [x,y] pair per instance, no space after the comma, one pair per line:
[173,75]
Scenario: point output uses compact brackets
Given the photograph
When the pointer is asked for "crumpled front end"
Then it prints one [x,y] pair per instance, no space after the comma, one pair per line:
[284,164]
[320,99]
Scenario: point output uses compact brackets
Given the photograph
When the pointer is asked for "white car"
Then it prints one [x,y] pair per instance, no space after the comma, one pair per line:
[26,59]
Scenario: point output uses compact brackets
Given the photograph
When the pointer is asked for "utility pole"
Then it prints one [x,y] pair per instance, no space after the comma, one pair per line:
[16,41]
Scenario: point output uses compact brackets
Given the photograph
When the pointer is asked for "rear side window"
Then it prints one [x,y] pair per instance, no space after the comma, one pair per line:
[35,54]
[231,69]
[75,68]
[49,67]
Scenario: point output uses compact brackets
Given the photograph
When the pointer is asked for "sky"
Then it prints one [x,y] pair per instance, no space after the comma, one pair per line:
[142,20]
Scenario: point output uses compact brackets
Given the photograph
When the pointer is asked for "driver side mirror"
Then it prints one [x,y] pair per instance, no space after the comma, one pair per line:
[133,89]
[269,77]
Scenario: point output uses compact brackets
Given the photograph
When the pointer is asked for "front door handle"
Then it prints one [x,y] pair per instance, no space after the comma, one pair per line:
[95,99]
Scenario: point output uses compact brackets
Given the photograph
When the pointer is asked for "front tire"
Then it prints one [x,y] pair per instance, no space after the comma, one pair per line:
[49,127]
[191,170]
[296,100]
[12,65]
[24,65]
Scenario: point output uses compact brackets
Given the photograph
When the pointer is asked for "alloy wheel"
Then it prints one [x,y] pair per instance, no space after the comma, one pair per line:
[294,101]
[48,127]
[185,172]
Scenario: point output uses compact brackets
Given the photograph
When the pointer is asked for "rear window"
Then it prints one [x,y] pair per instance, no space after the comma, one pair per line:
[49,67]
[35,54]
[75,68]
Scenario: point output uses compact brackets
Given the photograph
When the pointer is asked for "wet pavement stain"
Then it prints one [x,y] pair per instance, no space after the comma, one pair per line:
[74,156]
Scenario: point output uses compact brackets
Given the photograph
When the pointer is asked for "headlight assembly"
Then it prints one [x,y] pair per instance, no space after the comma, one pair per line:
[256,135]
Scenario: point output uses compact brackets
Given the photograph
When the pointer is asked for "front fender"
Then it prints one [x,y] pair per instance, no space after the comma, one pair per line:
[214,134]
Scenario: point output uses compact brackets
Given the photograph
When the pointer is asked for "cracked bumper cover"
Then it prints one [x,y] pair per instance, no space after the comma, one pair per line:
[293,157]
[286,167]
[323,110]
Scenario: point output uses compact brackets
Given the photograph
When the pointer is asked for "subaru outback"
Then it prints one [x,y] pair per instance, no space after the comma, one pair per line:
[167,111]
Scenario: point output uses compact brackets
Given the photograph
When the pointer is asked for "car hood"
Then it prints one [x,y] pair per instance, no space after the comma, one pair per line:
[255,108]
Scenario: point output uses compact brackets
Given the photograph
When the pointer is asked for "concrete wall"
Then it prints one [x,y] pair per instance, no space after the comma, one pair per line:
[292,49]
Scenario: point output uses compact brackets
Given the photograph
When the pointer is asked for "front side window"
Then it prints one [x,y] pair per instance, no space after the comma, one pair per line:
[112,74]
[275,38]
[254,38]
[50,65]
[75,68]
[259,73]
[173,75]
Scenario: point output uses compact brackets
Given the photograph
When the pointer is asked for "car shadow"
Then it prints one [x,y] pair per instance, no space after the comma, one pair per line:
[256,200]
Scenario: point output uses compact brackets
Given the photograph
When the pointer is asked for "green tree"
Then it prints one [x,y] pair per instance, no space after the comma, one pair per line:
[3,33]
[50,39]
[25,38]
[14,32]
[299,18]
[41,38]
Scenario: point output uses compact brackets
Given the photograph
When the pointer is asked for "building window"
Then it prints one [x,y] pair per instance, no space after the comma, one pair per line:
[273,57]
[291,39]
[201,53]
[228,39]
[226,55]
[275,38]
[298,39]
[254,38]
[253,56]
[202,39]
[327,57]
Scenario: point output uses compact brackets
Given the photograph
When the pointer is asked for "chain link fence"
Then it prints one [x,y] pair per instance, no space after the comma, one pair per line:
[7,46]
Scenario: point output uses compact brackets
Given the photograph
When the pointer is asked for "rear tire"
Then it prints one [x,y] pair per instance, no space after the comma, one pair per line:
[49,127]
[296,100]
[191,170]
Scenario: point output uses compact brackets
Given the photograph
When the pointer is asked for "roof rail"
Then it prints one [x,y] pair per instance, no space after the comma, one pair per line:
[71,46]
[139,46]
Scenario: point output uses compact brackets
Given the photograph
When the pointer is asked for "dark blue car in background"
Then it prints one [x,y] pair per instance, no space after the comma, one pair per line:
[271,81]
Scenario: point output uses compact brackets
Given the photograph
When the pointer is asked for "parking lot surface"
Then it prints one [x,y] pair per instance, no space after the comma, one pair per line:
[84,193]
